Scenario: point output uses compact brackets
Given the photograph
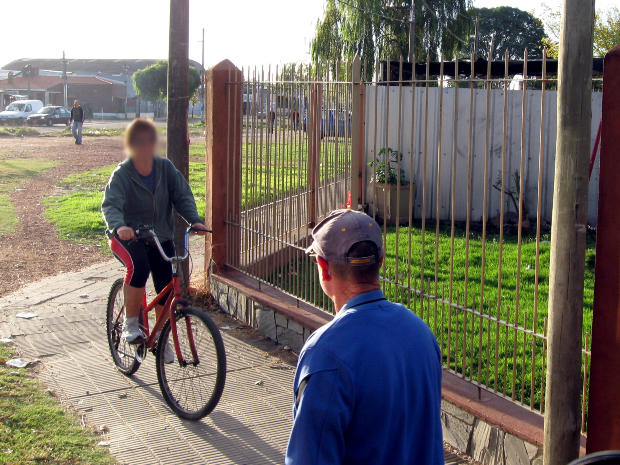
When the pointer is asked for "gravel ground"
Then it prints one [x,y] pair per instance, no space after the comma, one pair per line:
[35,251]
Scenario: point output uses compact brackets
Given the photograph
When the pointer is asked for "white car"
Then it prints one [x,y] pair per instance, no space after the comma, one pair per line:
[18,111]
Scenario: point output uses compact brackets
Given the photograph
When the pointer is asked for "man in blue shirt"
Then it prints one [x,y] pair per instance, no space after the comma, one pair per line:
[368,384]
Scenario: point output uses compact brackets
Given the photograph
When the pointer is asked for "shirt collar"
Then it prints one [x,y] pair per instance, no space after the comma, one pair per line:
[361,299]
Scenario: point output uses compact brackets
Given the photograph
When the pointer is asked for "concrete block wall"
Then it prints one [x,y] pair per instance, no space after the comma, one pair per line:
[484,442]
[273,324]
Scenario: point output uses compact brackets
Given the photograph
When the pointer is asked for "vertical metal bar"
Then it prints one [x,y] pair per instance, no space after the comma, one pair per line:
[374,152]
[438,190]
[523,356]
[229,204]
[385,154]
[398,162]
[455,122]
[544,367]
[487,154]
[584,392]
[411,183]
[470,146]
[541,154]
[501,210]
[424,166]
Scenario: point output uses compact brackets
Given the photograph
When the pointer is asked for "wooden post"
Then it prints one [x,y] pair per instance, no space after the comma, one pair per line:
[568,234]
[603,405]
[223,118]
[357,136]
[178,102]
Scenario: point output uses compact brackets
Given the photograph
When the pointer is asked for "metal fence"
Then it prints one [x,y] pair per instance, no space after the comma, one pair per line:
[479,281]
[295,168]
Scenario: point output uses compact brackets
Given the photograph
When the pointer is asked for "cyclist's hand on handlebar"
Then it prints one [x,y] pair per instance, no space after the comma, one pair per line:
[199,228]
[125,233]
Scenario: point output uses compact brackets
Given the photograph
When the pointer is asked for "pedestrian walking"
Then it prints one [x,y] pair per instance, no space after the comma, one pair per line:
[76,120]
[368,384]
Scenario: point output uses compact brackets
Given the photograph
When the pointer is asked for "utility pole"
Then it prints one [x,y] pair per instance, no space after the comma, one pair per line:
[202,83]
[127,78]
[178,102]
[412,33]
[64,79]
[568,234]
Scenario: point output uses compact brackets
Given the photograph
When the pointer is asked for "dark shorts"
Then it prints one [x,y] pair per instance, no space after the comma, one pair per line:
[141,258]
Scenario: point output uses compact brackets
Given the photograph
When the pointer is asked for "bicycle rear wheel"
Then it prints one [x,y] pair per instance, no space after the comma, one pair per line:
[123,354]
[192,389]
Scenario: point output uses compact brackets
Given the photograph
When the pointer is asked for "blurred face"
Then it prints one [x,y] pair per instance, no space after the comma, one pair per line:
[143,146]
[76,103]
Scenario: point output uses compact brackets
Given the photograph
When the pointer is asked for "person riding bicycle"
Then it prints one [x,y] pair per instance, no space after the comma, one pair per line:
[143,190]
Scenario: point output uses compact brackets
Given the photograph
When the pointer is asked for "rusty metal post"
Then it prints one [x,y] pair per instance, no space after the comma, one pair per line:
[223,97]
[603,405]
[314,149]
[357,135]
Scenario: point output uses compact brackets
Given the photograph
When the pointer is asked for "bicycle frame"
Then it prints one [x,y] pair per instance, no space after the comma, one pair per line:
[174,288]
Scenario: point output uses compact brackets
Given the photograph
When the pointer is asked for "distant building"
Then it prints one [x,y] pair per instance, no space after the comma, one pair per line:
[97,94]
[102,85]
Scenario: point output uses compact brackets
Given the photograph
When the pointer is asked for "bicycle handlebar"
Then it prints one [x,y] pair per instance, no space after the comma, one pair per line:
[144,232]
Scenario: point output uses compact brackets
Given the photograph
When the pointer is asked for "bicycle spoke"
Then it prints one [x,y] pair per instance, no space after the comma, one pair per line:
[192,385]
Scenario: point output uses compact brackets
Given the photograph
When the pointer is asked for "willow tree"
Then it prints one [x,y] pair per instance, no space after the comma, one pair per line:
[379,30]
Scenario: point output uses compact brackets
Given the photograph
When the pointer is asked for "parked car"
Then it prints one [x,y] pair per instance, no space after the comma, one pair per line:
[49,116]
[18,111]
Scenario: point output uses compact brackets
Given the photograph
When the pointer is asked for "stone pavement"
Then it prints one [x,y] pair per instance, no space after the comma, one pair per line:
[250,425]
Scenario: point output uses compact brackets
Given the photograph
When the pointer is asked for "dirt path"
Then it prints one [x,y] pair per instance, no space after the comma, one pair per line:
[35,251]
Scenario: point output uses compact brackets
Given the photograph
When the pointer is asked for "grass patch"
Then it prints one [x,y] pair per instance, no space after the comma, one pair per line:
[36,429]
[89,132]
[19,132]
[468,343]
[14,172]
[77,215]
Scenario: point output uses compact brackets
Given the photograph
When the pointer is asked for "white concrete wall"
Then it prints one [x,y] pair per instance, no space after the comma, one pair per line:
[446,124]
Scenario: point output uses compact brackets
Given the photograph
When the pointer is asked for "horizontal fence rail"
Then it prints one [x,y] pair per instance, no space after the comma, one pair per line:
[458,172]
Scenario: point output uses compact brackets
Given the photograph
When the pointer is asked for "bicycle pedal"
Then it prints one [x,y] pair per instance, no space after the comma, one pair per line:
[141,352]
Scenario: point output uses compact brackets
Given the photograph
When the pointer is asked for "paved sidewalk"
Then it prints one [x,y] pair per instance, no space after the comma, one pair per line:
[250,425]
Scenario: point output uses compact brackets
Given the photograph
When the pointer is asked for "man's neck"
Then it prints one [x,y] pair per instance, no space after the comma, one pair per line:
[348,291]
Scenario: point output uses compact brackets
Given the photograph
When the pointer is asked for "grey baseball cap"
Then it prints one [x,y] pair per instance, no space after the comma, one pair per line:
[339,231]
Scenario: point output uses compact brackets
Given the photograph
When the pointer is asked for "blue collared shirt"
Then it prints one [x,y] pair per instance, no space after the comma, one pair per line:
[371,389]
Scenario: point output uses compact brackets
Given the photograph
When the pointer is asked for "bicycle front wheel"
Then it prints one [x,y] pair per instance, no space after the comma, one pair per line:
[192,388]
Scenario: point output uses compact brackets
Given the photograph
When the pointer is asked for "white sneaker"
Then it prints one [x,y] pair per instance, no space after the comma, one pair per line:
[169,353]
[133,335]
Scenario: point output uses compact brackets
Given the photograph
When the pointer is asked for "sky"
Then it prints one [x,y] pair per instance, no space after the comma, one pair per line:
[247,32]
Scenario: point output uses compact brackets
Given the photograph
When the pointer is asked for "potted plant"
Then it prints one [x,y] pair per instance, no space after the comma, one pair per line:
[384,181]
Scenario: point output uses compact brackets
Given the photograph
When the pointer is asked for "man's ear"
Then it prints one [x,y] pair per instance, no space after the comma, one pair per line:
[381,259]
[324,267]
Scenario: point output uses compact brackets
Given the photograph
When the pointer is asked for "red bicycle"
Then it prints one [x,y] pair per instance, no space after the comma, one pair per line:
[193,384]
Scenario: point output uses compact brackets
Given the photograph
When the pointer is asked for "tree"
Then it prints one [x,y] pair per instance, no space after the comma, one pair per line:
[379,29]
[151,83]
[511,29]
[606,30]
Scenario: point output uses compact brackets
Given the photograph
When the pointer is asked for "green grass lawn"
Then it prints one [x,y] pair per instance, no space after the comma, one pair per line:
[36,429]
[471,339]
[13,173]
